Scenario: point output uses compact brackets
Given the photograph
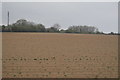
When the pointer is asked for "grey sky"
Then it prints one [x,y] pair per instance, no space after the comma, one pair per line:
[103,15]
[0,15]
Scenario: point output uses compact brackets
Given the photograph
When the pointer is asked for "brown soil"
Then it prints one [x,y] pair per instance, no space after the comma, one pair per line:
[59,55]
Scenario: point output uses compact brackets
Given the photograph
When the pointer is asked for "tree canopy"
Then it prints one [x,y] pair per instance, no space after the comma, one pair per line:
[23,25]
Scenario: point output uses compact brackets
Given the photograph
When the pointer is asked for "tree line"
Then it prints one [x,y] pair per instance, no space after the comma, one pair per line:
[23,25]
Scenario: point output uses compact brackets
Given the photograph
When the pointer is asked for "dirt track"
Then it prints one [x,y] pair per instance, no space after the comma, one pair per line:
[51,55]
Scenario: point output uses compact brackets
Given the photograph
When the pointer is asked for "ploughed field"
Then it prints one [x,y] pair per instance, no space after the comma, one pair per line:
[59,55]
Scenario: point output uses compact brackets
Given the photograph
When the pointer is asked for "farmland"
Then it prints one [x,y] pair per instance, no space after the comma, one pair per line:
[59,55]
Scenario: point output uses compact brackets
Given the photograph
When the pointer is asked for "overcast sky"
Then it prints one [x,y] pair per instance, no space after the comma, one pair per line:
[103,15]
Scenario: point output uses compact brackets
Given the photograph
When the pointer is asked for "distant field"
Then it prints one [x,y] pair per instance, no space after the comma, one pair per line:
[55,55]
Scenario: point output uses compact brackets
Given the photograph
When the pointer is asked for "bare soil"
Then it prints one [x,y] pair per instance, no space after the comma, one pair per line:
[59,55]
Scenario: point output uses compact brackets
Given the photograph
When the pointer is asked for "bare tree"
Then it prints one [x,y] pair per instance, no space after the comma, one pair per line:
[82,29]
[56,26]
